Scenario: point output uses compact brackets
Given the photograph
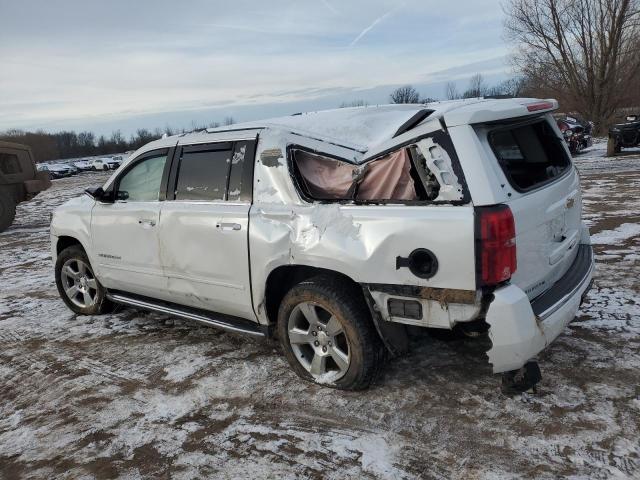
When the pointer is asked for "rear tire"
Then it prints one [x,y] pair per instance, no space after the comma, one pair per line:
[77,284]
[7,211]
[327,334]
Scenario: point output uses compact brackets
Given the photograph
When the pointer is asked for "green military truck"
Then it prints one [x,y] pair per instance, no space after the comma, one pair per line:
[19,180]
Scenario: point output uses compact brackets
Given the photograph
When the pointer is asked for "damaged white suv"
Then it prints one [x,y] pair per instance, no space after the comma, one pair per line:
[336,230]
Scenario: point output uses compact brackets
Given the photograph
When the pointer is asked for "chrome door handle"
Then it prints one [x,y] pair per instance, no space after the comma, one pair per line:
[229,226]
[147,223]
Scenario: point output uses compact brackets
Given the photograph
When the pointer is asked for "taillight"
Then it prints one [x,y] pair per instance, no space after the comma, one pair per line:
[496,244]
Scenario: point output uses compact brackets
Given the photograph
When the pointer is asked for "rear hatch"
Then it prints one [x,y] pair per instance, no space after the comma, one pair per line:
[543,192]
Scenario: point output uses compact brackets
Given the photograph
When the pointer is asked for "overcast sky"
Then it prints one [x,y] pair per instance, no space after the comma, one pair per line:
[105,65]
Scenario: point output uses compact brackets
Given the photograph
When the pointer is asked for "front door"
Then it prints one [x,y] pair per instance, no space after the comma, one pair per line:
[204,228]
[125,232]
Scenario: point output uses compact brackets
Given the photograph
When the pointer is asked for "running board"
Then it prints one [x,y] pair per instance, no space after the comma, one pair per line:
[224,322]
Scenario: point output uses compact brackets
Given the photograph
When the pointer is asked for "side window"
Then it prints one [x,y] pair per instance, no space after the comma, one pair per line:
[203,174]
[9,164]
[241,175]
[143,181]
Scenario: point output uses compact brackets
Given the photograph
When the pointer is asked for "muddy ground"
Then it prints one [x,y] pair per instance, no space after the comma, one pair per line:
[135,395]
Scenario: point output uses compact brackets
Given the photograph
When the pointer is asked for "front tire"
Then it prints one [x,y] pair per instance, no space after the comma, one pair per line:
[77,284]
[7,211]
[327,334]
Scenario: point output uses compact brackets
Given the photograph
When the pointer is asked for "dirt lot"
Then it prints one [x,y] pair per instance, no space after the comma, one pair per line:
[142,395]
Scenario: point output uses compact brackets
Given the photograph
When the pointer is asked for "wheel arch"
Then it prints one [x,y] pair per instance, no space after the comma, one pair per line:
[66,241]
[281,279]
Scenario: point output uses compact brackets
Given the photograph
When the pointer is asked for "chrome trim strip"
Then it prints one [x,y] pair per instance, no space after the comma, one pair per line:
[553,308]
[181,314]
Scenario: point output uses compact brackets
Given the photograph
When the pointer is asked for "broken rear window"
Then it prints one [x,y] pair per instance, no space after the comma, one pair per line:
[392,177]
[530,155]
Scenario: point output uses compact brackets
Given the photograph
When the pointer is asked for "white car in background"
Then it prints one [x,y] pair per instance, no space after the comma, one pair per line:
[114,162]
[336,230]
[83,165]
[99,164]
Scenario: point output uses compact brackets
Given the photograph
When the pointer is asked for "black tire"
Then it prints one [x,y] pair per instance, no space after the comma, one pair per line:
[345,302]
[7,211]
[101,305]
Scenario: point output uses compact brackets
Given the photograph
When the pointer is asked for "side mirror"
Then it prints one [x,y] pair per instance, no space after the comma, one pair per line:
[122,195]
[96,192]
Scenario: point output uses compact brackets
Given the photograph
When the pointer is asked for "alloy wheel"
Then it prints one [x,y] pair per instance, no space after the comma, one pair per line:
[79,283]
[318,341]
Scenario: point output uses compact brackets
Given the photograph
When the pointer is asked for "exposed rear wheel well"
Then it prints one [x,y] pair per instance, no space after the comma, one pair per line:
[66,242]
[283,278]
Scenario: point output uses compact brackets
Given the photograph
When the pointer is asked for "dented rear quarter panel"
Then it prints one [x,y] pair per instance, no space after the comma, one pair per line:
[360,241]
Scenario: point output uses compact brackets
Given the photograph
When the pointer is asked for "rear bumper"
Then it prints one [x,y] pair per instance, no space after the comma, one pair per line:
[520,328]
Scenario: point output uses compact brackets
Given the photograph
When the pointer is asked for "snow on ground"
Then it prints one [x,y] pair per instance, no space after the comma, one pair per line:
[135,394]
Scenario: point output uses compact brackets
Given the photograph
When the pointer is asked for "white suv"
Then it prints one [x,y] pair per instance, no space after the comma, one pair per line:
[336,230]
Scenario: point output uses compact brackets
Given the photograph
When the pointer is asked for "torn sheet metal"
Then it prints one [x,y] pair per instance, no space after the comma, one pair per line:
[517,334]
[438,162]
[435,312]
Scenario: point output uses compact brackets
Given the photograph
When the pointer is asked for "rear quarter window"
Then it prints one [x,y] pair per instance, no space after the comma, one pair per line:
[530,155]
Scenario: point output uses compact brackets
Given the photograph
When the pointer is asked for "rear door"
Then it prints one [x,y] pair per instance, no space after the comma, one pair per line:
[543,192]
[204,227]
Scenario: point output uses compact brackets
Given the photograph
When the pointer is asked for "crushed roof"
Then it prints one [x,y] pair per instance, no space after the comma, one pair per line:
[362,128]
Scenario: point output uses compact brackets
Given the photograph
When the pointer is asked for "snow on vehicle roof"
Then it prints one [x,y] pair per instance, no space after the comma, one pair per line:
[362,128]
[356,128]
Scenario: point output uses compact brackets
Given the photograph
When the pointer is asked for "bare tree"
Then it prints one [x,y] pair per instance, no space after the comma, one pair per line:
[451,91]
[513,87]
[406,94]
[583,52]
[228,121]
[477,87]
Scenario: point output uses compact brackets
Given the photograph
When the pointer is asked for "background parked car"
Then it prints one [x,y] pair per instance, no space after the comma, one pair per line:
[624,135]
[72,168]
[576,134]
[99,164]
[83,165]
[56,170]
[114,162]
[19,180]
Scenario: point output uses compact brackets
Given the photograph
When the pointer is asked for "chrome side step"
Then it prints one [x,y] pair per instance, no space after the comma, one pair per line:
[221,321]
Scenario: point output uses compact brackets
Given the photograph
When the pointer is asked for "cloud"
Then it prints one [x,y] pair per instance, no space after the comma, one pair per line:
[90,61]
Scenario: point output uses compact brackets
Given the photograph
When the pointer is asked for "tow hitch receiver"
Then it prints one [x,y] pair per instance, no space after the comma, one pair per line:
[522,380]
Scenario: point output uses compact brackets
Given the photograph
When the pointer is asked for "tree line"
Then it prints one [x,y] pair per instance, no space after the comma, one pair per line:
[70,144]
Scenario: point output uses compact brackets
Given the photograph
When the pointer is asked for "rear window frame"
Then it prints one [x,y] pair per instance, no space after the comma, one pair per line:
[518,124]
